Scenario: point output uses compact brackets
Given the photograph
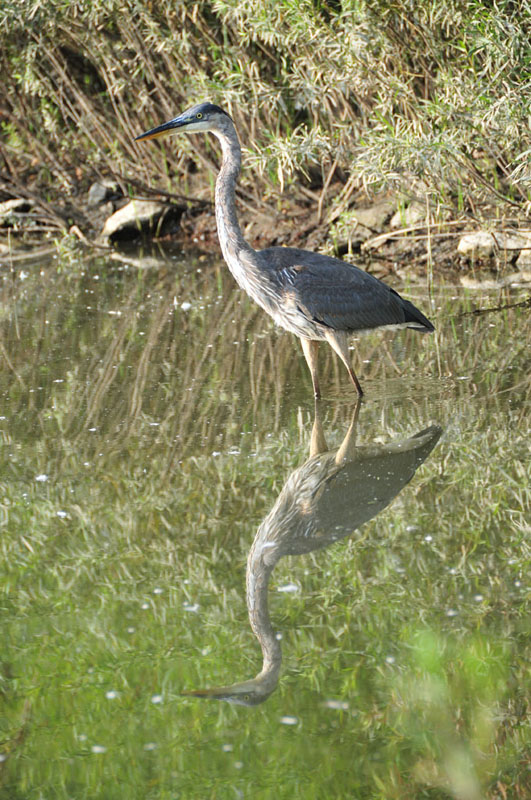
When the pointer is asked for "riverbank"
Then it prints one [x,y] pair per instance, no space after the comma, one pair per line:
[385,237]
[367,131]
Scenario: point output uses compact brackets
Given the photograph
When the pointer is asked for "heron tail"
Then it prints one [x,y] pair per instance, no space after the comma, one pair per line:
[415,318]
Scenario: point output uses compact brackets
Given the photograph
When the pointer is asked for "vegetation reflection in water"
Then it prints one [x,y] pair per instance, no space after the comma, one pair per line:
[150,418]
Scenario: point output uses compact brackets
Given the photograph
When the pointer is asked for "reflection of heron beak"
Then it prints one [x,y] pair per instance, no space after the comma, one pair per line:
[219,691]
[162,130]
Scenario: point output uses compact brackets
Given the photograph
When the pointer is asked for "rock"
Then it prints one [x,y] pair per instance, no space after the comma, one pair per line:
[476,245]
[10,208]
[513,244]
[524,259]
[358,225]
[483,244]
[416,212]
[513,240]
[374,217]
[135,218]
[103,190]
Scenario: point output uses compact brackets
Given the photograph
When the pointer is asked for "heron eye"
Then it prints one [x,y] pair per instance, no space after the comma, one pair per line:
[199,115]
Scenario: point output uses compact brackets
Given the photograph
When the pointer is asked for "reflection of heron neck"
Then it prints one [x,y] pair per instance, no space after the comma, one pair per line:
[258,575]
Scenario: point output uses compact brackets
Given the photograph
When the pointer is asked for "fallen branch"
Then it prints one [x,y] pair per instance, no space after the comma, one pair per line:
[522,304]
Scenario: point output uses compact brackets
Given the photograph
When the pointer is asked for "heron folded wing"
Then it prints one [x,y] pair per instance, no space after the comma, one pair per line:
[341,296]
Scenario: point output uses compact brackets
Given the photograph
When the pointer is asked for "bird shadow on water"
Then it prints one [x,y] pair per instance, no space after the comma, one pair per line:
[322,502]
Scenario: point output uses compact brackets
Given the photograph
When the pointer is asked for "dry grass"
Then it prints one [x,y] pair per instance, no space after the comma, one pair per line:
[346,96]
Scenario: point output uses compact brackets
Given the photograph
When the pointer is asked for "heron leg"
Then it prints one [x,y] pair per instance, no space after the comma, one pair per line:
[310,348]
[339,343]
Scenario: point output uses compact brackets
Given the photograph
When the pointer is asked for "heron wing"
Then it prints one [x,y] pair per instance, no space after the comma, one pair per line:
[335,294]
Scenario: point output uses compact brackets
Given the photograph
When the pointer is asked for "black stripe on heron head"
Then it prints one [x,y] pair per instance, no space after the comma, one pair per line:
[209,108]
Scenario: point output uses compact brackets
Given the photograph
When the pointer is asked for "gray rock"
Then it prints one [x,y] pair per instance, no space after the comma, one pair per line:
[476,245]
[513,240]
[416,212]
[101,191]
[524,259]
[374,217]
[10,208]
[483,244]
[135,218]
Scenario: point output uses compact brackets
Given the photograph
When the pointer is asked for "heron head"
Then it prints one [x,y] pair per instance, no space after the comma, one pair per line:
[246,693]
[198,119]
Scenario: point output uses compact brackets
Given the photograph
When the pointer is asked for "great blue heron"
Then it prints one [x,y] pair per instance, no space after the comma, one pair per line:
[312,295]
[322,502]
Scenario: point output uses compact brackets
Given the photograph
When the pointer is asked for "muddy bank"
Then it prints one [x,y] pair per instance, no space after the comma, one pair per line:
[384,233]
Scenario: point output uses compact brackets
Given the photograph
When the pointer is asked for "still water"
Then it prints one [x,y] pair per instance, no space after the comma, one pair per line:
[159,442]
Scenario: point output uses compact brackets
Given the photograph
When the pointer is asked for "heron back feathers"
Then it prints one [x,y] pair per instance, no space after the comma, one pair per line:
[336,295]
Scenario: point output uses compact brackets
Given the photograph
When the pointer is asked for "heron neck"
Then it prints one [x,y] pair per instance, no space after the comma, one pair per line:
[233,245]
[258,575]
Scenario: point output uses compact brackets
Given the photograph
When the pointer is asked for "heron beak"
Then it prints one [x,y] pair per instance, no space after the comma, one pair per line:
[162,130]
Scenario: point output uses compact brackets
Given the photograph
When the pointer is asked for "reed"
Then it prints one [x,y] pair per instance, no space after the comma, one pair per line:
[335,99]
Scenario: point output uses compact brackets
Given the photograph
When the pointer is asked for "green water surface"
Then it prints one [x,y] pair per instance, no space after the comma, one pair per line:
[149,419]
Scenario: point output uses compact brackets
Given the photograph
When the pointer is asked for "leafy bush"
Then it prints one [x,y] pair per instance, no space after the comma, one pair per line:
[429,97]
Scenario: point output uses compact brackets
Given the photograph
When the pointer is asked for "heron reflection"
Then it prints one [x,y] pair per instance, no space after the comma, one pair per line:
[322,502]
